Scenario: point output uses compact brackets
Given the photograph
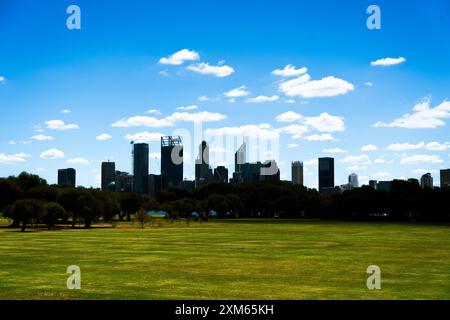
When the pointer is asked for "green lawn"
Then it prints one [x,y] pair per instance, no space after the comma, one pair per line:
[229,260]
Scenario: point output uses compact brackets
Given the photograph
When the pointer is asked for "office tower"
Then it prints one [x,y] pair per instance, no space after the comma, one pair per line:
[155,184]
[239,157]
[203,173]
[373,184]
[140,168]
[172,160]
[353,180]
[221,174]
[297,172]
[269,171]
[67,177]
[426,181]
[123,181]
[326,174]
[384,185]
[445,178]
[108,175]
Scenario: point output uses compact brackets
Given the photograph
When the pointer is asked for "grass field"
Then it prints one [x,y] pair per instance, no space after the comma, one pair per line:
[229,260]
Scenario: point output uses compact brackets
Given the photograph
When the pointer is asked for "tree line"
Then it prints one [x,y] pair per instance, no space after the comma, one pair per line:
[28,199]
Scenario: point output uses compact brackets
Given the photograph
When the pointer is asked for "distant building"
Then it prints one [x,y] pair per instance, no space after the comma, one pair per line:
[203,173]
[326,174]
[221,174]
[384,185]
[67,177]
[172,160]
[123,182]
[155,184]
[140,168]
[373,184]
[426,181]
[108,175]
[240,158]
[413,181]
[269,171]
[297,172]
[353,181]
[445,178]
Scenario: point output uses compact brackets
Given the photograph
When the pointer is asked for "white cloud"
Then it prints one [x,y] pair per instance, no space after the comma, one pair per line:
[385,62]
[2,79]
[381,175]
[60,125]
[296,130]
[66,111]
[421,158]
[368,84]
[369,147]
[289,116]
[41,137]
[360,160]
[304,87]
[320,137]
[146,121]
[405,146]
[292,145]
[52,154]
[422,117]
[163,73]
[325,122]
[179,57]
[356,168]
[78,161]
[205,68]
[237,92]
[13,158]
[289,71]
[103,137]
[334,150]
[263,99]
[423,171]
[193,107]
[144,137]
[436,146]
[153,111]
[289,101]
[380,161]
[261,131]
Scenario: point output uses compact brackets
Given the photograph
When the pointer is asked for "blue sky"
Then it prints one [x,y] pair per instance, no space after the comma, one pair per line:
[335,91]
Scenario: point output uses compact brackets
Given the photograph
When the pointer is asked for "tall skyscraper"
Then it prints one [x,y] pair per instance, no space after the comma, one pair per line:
[124,181]
[140,168]
[297,172]
[172,160]
[426,181]
[445,178]
[326,174]
[373,184]
[240,158]
[108,175]
[221,174]
[67,177]
[203,173]
[353,180]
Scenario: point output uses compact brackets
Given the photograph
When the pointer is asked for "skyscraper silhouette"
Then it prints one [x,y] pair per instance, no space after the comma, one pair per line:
[140,168]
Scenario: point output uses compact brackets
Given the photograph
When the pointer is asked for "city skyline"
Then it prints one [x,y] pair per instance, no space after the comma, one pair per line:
[75,98]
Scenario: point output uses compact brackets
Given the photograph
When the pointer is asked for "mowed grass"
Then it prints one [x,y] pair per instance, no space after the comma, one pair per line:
[241,259]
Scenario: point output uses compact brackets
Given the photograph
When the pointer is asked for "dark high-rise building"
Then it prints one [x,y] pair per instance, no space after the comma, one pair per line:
[67,177]
[384,185]
[172,160]
[140,168]
[297,172]
[108,175]
[373,184]
[203,173]
[221,174]
[426,181]
[123,181]
[155,184]
[326,174]
[445,178]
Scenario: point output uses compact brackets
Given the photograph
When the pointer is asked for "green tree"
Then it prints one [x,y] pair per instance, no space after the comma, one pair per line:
[53,213]
[25,210]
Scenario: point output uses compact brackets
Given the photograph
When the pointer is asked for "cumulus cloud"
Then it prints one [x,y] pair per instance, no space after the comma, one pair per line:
[289,116]
[369,147]
[180,57]
[421,158]
[103,137]
[13,158]
[187,108]
[219,71]
[78,161]
[368,84]
[153,111]
[405,146]
[323,123]
[52,154]
[304,87]
[144,137]
[295,130]
[436,146]
[334,150]
[386,62]
[289,71]
[356,160]
[422,117]
[263,99]
[237,92]
[41,137]
[320,137]
[60,125]
[66,111]
[147,121]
